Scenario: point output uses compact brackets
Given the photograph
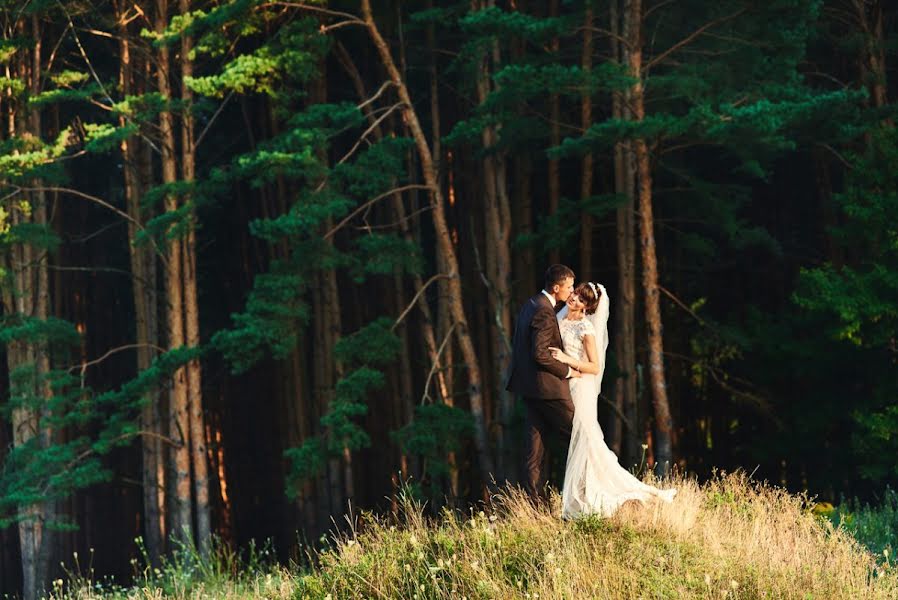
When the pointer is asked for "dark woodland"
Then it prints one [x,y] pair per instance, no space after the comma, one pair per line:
[261,259]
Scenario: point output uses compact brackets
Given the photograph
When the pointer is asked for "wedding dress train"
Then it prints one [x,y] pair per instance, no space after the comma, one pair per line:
[594,481]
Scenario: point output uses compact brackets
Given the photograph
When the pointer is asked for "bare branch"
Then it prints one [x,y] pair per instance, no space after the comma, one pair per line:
[682,305]
[212,120]
[386,84]
[656,7]
[374,127]
[83,366]
[436,362]
[408,308]
[351,18]
[691,37]
[101,202]
[411,186]
[401,221]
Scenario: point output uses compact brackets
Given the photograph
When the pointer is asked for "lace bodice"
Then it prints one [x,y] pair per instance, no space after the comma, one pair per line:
[572,333]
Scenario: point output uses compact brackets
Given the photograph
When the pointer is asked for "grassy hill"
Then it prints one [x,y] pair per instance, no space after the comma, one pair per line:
[730,538]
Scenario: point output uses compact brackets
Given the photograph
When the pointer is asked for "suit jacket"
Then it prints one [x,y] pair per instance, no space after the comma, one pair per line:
[533,372]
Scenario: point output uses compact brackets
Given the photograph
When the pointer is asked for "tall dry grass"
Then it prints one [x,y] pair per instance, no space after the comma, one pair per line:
[730,538]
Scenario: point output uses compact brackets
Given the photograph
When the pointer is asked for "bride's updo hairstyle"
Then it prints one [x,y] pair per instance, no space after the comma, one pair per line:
[588,297]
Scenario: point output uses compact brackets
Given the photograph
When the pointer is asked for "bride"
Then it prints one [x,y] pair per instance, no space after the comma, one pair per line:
[594,482]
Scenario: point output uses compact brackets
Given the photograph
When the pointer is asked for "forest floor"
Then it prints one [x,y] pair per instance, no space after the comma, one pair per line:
[728,538]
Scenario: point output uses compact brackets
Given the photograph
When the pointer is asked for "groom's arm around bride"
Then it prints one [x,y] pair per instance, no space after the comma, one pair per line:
[539,378]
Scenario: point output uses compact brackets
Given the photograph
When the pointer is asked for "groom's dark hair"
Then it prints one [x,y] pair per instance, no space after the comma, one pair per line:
[557,274]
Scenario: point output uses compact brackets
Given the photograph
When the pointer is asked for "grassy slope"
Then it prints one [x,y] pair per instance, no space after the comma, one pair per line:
[730,538]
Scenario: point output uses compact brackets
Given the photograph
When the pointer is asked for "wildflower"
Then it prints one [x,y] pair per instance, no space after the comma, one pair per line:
[440,563]
[734,584]
[550,557]
[645,446]
[557,571]
[493,518]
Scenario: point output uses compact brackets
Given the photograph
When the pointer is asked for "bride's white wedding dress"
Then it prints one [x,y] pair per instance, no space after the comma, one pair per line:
[594,482]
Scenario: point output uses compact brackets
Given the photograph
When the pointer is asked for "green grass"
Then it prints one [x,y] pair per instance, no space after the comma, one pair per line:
[876,527]
[730,538]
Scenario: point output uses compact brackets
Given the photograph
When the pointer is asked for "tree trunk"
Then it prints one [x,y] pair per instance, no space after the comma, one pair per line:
[586,164]
[873,59]
[143,287]
[445,246]
[178,407]
[625,434]
[29,297]
[554,173]
[498,255]
[663,422]
[198,444]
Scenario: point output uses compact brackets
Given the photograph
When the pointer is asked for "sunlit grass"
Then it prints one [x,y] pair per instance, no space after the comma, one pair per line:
[730,538]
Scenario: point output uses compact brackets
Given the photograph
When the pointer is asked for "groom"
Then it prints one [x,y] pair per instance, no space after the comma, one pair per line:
[538,377]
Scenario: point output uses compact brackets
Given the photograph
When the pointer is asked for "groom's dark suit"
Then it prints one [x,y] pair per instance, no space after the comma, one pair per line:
[542,381]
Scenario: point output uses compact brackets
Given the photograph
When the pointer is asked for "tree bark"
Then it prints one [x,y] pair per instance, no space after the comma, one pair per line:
[625,433]
[873,58]
[554,167]
[663,422]
[178,407]
[29,297]
[198,444]
[586,164]
[497,224]
[143,287]
[445,245]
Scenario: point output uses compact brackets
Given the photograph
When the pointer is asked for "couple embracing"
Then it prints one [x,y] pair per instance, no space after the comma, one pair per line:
[557,365]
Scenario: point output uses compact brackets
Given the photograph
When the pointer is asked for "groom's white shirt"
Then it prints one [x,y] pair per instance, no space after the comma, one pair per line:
[553,302]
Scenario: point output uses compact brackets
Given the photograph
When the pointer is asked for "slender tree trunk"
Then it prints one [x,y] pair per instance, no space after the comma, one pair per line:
[525,273]
[626,441]
[445,246]
[42,309]
[586,164]
[29,297]
[442,376]
[554,173]
[198,444]
[178,405]
[498,253]
[873,58]
[663,422]
[143,286]
[442,363]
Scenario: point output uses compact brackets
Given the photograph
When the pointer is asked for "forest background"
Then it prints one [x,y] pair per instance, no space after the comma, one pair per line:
[261,258]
